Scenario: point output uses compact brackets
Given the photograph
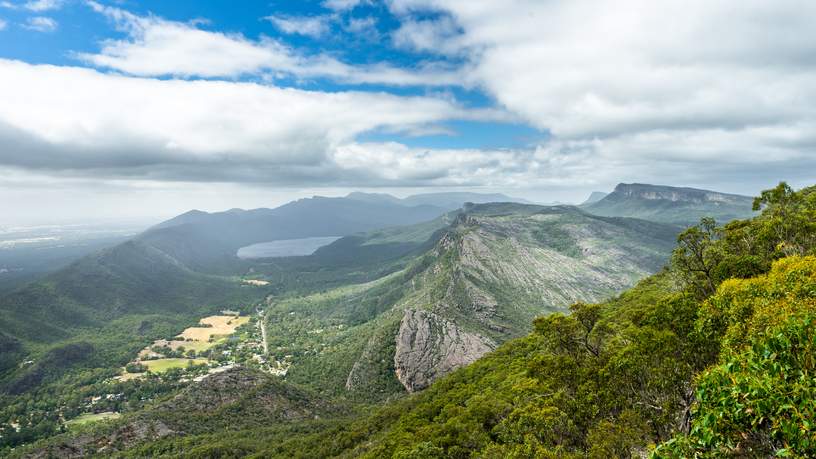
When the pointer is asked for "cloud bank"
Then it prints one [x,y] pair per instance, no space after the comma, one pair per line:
[708,93]
[75,120]
[678,83]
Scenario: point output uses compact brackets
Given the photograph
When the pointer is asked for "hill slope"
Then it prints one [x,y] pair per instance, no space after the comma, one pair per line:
[207,407]
[179,270]
[680,206]
[482,281]
[169,268]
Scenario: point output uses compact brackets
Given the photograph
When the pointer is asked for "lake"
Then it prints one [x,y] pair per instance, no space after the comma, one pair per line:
[285,247]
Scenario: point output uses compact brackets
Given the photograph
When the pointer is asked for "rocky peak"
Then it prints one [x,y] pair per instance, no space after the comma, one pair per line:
[675,194]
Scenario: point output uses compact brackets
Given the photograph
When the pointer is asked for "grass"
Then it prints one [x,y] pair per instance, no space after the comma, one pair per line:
[162,365]
[88,418]
[219,325]
[198,346]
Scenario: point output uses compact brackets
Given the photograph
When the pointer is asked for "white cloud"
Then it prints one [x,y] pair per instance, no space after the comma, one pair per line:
[157,47]
[429,35]
[586,68]
[310,26]
[34,5]
[80,121]
[3,24]
[43,5]
[365,25]
[342,5]
[41,24]
[702,93]
[395,164]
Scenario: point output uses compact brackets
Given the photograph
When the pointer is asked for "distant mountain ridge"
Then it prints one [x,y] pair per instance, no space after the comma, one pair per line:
[209,242]
[595,196]
[442,202]
[448,200]
[674,205]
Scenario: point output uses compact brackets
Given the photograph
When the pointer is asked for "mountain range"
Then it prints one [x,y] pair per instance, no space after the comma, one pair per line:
[413,289]
[487,274]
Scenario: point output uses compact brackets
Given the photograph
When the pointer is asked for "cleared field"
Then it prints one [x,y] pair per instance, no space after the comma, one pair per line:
[91,417]
[198,339]
[125,376]
[162,365]
[220,325]
[198,346]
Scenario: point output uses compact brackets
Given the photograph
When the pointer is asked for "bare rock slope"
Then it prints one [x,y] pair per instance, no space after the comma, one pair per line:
[429,346]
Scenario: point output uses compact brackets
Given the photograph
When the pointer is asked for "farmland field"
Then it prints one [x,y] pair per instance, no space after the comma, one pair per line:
[214,331]
[198,346]
[220,325]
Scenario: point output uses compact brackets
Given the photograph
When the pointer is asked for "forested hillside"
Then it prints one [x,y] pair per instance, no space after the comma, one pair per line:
[710,357]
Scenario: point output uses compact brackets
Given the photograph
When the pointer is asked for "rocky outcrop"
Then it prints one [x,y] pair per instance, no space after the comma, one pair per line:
[240,389]
[429,346]
[123,436]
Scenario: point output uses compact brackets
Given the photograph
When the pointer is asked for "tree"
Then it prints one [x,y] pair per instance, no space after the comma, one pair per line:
[696,257]
[135,367]
[788,220]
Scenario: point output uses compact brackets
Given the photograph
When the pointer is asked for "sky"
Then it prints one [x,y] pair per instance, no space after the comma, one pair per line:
[124,108]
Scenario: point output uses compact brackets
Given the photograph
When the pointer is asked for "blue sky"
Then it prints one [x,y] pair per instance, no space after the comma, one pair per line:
[170,105]
[79,29]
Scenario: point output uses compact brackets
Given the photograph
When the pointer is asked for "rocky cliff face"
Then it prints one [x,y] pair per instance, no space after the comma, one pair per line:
[691,195]
[680,206]
[429,346]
